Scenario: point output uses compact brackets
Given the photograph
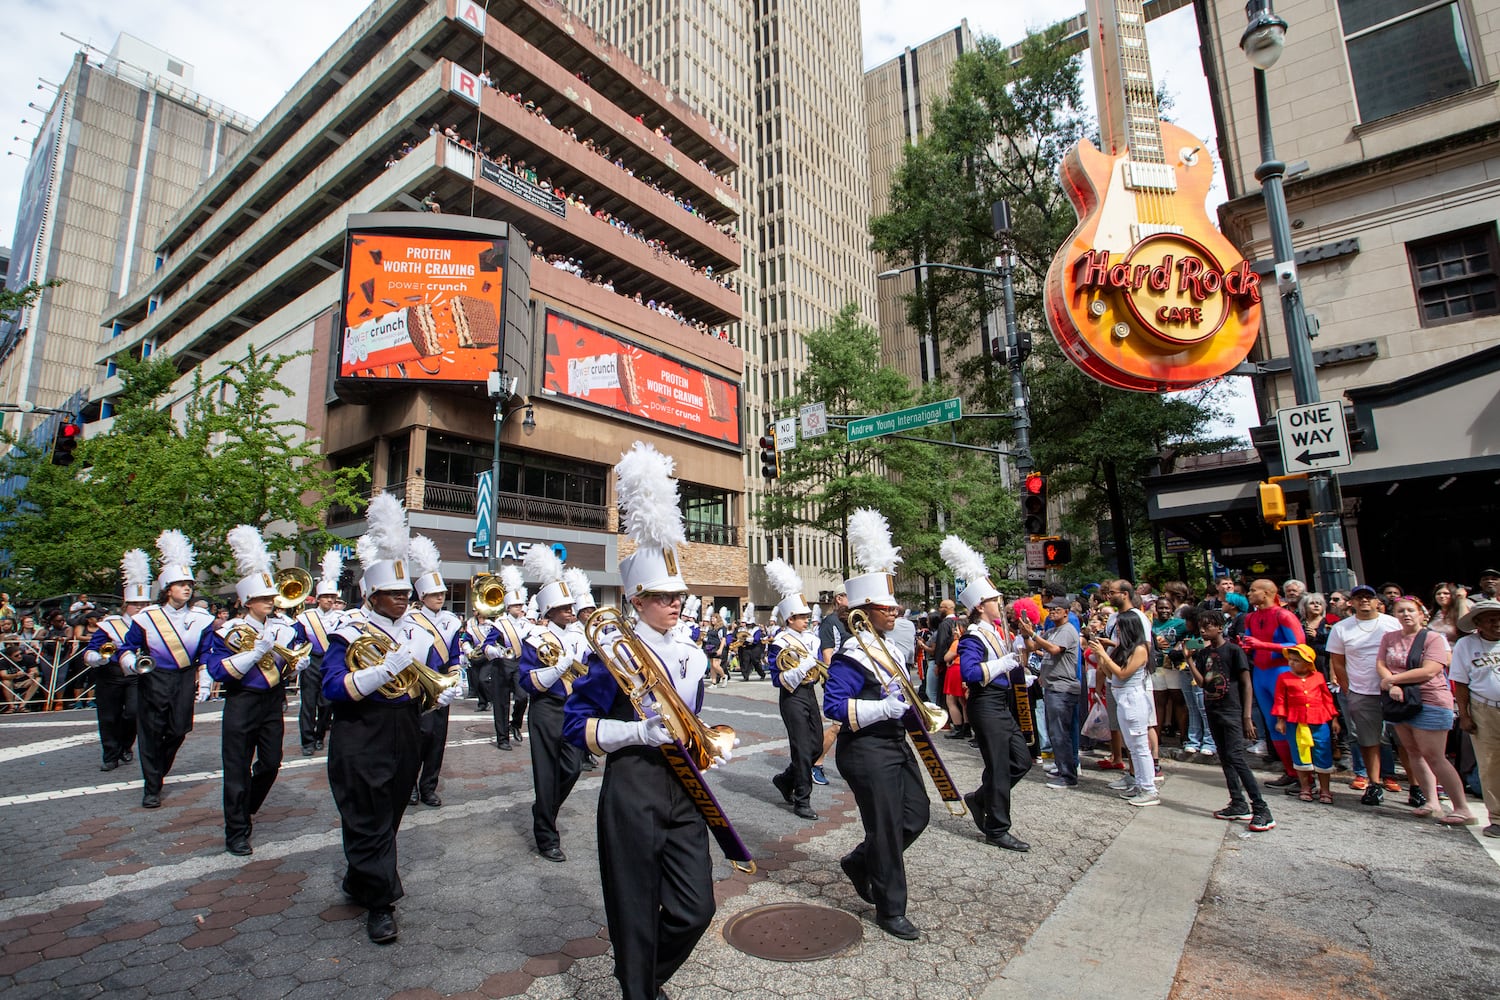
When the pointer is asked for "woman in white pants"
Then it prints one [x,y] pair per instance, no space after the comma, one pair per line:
[1128,680]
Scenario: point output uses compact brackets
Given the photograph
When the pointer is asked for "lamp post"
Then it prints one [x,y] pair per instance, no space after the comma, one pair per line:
[1262,43]
[502,389]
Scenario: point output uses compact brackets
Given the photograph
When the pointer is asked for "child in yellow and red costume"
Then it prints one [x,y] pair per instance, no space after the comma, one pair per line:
[1303,701]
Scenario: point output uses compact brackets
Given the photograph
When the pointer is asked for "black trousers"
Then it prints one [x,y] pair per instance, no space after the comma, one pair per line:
[372,765]
[882,771]
[115,705]
[507,697]
[555,765]
[253,733]
[434,729]
[164,717]
[314,712]
[1007,758]
[654,868]
[1229,742]
[804,733]
[752,658]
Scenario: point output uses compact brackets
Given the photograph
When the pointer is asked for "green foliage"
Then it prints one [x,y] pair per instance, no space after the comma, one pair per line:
[1001,133]
[13,300]
[232,459]
[826,478]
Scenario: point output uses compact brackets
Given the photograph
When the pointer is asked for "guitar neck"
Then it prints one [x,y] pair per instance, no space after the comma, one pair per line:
[1129,120]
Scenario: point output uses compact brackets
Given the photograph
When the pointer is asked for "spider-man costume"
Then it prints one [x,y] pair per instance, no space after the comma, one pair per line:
[1268,631]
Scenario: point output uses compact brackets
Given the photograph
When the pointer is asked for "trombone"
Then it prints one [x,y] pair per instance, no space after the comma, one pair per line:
[921,718]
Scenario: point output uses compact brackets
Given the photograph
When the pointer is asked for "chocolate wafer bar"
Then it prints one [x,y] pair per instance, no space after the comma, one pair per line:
[629,386]
[422,328]
[476,322]
[716,396]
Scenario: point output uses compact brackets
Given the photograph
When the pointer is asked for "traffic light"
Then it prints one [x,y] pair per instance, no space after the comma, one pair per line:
[1272,504]
[65,439]
[1034,505]
[1058,551]
[770,458]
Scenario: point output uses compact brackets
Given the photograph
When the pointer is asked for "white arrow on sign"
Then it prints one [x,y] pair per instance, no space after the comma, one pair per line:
[1313,436]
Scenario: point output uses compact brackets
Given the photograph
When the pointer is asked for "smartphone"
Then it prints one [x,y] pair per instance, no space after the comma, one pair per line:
[1193,643]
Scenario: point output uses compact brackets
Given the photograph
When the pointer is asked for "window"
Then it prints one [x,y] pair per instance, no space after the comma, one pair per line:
[1454,275]
[1405,53]
[549,478]
[400,460]
[454,460]
[707,514]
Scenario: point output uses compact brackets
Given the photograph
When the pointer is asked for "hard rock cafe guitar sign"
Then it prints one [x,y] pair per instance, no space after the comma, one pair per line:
[1146,294]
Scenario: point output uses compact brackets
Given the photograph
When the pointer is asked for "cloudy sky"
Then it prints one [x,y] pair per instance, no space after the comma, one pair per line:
[245,57]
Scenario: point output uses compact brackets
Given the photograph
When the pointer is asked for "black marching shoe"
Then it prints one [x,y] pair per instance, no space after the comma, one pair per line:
[504,745]
[431,799]
[239,846]
[784,786]
[804,811]
[554,854]
[150,801]
[1008,841]
[127,757]
[109,765]
[380,925]
[859,878]
[318,745]
[976,810]
[414,795]
[515,733]
[898,927]
[589,763]
[307,751]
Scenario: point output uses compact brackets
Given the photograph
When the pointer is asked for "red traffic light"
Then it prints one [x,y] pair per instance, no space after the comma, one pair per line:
[1034,483]
[64,440]
[70,431]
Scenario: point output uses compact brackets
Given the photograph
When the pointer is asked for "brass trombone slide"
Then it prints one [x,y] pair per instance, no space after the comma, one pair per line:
[921,719]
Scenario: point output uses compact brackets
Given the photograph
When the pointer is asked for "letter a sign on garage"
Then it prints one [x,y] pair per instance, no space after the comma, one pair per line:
[1313,436]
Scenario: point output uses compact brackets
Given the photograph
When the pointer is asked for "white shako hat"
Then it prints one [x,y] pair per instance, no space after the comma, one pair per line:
[788,584]
[425,560]
[542,563]
[333,568]
[968,565]
[748,617]
[252,561]
[653,519]
[135,567]
[382,548]
[870,538]
[579,586]
[690,608]
[176,559]
[514,585]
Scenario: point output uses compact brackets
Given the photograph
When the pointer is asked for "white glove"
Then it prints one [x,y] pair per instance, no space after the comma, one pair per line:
[614,734]
[92,657]
[793,678]
[1001,675]
[893,706]
[449,696]
[725,758]
[205,685]
[127,662]
[370,679]
[544,677]
[264,644]
[494,651]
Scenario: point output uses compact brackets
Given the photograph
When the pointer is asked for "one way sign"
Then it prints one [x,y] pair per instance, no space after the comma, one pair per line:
[1313,436]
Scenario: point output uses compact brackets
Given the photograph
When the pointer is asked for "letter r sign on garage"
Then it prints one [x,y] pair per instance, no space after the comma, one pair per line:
[1313,436]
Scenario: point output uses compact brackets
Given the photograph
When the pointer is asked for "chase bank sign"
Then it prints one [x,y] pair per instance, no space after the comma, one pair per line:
[514,548]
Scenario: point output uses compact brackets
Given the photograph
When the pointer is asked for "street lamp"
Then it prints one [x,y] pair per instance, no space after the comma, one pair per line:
[1262,43]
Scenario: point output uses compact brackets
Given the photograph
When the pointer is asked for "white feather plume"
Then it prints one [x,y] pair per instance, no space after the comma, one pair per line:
[966,564]
[136,568]
[423,555]
[725,616]
[783,578]
[532,611]
[749,613]
[175,549]
[870,537]
[367,551]
[690,608]
[333,566]
[511,579]
[579,586]
[249,549]
[648,493]
[542,563]
[387,526]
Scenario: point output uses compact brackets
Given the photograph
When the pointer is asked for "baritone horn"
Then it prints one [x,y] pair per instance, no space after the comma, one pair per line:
[488,594]
[418,681]
[293,584]
[933,718]
[242,637]
[791,659]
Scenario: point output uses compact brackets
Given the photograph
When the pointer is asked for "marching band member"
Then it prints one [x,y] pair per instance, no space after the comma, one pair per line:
[254,678]
[985,661]
[872,750]
[545,661]
[176,638]
[115,690]
[585,606]
[471,641]
[315,625]
[503,647]
[797,687]
[753,652]
[653,841]
[376,739]
[444,627]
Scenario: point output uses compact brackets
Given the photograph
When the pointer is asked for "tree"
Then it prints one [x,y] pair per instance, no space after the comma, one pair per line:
[230,460]
[1001,133]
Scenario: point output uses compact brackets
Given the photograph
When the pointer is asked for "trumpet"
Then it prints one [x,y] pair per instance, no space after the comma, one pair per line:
[791,659]
[242,637]
[418,679]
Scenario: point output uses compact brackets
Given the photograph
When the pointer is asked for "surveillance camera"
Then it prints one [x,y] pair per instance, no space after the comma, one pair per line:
[1286,276]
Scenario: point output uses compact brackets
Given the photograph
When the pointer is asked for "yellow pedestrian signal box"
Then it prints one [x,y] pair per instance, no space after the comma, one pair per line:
[1272,504]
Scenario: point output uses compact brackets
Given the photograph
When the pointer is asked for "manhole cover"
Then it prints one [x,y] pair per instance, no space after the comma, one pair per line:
[793,932]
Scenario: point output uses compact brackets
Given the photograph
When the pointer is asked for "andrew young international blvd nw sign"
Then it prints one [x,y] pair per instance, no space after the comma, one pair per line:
[942,412]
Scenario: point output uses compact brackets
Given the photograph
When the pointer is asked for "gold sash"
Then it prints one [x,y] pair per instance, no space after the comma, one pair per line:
[175,647]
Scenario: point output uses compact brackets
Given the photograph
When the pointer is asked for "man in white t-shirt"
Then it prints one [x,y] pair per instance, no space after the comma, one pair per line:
[1353,651]
[1475,673]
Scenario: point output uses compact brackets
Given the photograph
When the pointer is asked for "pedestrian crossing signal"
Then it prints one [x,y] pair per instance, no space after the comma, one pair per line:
[1272,504]
[770,458]
[1058,551]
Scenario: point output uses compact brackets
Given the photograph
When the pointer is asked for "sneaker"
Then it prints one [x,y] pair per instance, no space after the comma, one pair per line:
[1258,748]
[1285,781]
[1235,812]
[1142,800]
[1415,798]
[1051,770]
[1374,795]
[1493,830]
[1360,783]
[1111,765]
[1059,783]
[819,778]
[1189,752]
[1261,822]
[1121,783]
[1392,785]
